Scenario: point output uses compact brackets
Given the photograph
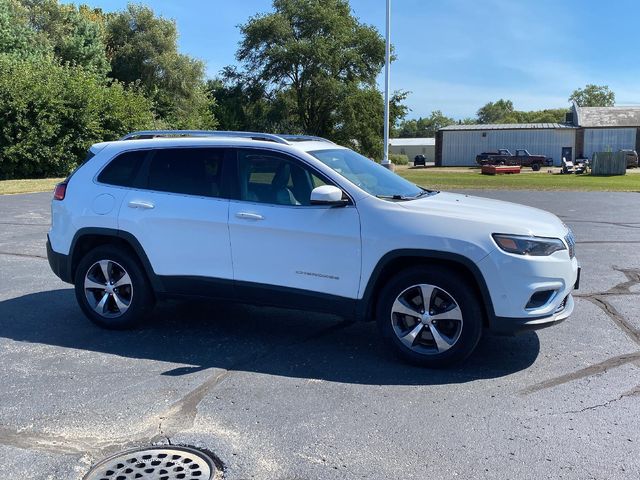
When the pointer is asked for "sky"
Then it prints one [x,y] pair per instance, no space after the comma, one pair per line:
[457,55]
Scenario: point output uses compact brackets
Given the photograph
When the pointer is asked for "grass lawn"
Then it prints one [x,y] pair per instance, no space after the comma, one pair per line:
[470,178]
[453,178]
[28,186]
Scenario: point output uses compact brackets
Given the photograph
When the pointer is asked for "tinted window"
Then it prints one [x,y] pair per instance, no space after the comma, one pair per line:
[268,177]
[189,171]
[123,169]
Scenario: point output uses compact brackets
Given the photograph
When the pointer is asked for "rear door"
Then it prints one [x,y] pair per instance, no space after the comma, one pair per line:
[179,215]
[280,240]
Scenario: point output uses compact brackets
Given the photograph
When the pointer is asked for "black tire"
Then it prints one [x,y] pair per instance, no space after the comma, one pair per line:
[137,291]
[535,167]
[448,283]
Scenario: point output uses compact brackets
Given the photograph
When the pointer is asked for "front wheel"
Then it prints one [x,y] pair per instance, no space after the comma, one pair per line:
[535,167]
[430,316]
[112,289]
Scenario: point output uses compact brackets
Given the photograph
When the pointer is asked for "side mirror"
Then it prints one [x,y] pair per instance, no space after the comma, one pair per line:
[327,195]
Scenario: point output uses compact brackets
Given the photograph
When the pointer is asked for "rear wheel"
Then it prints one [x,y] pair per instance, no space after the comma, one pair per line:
[112,289]
[430,316]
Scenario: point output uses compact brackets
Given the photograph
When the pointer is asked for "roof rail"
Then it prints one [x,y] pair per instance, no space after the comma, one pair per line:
[146,134]
[303,138]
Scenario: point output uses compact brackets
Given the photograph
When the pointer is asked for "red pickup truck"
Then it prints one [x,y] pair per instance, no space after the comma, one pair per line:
[505,157]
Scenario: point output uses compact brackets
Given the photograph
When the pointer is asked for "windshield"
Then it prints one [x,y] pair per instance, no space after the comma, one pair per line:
[367,174]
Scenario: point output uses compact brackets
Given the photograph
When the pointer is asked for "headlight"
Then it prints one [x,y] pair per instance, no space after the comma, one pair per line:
[524,245]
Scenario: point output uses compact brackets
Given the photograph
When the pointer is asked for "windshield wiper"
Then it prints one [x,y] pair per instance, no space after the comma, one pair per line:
[394,197]
[407,197]
[423,193]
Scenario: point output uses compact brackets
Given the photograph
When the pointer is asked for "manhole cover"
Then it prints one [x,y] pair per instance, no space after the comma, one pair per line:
[156,463]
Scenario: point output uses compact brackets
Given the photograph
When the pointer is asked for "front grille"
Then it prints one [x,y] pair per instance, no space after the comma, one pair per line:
[570,239]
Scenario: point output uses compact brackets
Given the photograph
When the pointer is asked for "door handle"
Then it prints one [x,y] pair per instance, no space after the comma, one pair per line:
[249,216]
[141,204]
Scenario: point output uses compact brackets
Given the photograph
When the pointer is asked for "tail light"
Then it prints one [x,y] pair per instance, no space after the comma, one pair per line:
[60,191]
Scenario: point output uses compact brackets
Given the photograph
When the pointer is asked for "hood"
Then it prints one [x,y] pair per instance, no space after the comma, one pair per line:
[498,216]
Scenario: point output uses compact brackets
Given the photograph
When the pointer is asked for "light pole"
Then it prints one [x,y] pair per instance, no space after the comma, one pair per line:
[385,158]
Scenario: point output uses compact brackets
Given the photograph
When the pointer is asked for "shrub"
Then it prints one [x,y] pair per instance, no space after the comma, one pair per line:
[398,159]
[51,113]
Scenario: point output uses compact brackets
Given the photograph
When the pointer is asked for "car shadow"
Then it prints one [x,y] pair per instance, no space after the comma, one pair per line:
[197,335]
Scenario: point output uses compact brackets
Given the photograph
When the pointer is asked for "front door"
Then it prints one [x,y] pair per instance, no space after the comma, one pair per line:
[279,239]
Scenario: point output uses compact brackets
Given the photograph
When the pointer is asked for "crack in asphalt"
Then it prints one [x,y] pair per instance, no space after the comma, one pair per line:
[27,255]
[631,393]
[623,288]
[607,242]
[633,278]
[178,417]
[628,329]
[25,224]
[598,222]
[182,414]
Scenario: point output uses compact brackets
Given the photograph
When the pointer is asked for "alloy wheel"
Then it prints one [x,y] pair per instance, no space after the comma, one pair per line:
[108,288]
[426,319]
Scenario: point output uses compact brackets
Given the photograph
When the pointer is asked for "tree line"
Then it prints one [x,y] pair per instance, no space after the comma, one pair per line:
[503,111]
[71,76]
[74,75]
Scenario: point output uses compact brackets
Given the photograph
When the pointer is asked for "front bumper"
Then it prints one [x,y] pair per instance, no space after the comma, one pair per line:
[513,279]
[59,263]
[510,326]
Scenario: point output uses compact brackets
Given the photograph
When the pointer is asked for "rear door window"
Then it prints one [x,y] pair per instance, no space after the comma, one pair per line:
[187,171]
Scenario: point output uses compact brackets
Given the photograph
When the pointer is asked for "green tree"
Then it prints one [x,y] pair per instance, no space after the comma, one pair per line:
[51,113]
[143,49]
[240,103]
[16,35]
[75,37]
[424,127]
[550,115]
[594,96]
[321,58]
[501,111]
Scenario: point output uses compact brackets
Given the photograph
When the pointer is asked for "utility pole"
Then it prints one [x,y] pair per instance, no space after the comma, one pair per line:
[385,159]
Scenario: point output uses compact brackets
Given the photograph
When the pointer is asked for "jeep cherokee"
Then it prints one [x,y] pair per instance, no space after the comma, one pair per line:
[303,223]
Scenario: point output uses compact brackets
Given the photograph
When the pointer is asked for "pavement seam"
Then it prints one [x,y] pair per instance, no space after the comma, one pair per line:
[607,242]
[616,224]
[589,371]
[178,417]
[182,414]
[623,288]
[27,255]
[26,224]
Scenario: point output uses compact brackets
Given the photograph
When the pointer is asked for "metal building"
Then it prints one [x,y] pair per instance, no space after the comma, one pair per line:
[458,145]
[606,129]
[413,146]
[587,130]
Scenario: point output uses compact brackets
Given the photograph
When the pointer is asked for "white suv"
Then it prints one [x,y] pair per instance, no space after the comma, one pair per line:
[303,223]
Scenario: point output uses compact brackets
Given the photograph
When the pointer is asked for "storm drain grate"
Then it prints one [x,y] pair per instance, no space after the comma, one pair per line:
[155,463]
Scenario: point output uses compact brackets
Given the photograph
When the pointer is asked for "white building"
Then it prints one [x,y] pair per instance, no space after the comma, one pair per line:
[413,146]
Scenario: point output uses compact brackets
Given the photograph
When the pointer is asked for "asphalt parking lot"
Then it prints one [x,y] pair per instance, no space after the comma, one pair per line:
[281,394]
